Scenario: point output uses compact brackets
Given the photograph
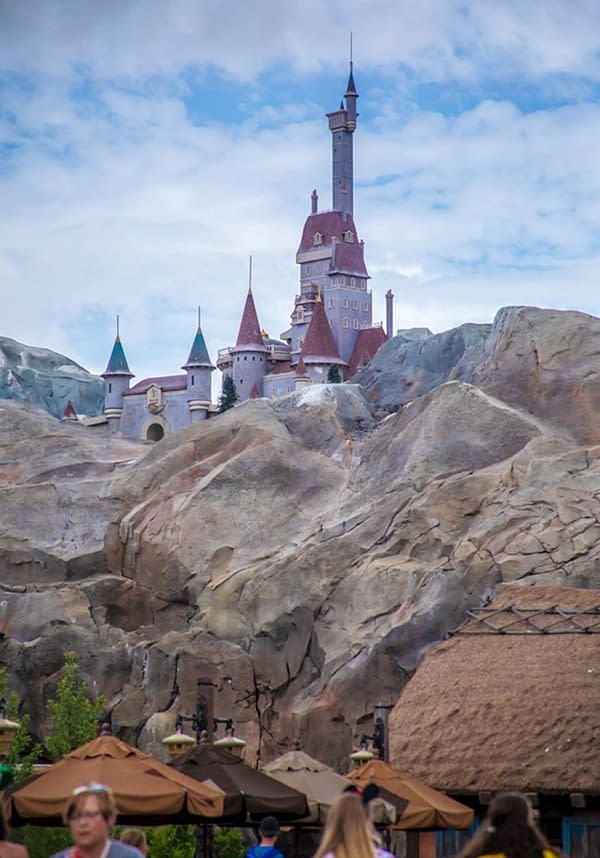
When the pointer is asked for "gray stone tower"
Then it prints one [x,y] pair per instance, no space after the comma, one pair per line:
[249,354]
[116,381]
[342,124]
[198,369]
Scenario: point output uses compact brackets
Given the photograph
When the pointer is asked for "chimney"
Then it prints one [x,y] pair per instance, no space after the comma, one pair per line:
[314,201]
[389,313]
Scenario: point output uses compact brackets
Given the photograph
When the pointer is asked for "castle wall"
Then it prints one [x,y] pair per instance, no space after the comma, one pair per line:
[348,309]
[135,413]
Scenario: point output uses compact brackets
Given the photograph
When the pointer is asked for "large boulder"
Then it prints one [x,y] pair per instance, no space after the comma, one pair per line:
[300,554]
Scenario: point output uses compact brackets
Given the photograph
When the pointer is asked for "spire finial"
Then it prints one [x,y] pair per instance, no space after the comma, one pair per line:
[351,50]
[117,326]
[199,320]
[250,275]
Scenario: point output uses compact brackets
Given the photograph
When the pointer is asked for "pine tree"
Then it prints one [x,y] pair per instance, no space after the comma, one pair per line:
[74,715]
[333,375]
[229,395]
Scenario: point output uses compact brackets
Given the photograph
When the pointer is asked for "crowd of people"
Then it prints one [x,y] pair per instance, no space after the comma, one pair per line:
[508,831]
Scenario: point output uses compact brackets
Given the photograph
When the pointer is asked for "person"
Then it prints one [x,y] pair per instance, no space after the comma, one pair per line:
[135,837]
[8,849]
[509,831]
[90,814]
[348,832]
[269,832]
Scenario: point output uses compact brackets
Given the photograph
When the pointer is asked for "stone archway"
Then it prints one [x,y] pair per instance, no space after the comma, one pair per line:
[155,432]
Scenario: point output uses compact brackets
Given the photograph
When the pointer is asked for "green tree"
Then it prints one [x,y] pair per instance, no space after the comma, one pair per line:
[229,395]
[229,843]
[23,752]
[73,713]
[333,375]
[172,841]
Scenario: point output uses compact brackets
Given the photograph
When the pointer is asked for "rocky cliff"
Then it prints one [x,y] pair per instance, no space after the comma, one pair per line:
[47,379]
[302,553]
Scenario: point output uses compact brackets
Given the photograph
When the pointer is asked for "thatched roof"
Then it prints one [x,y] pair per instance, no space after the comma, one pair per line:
[511,700]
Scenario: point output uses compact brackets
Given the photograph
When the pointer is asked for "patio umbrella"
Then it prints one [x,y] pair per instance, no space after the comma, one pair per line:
[248,792]
[427,808]
[147,792]
[322,785]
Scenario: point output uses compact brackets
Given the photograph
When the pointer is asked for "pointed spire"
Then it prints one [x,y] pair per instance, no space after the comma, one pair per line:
[301,371]
[117,363]
[69,413]
[319,344]
[250,330]
[198,353]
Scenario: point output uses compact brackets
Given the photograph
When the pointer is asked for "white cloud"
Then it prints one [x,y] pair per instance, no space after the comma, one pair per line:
[114,198]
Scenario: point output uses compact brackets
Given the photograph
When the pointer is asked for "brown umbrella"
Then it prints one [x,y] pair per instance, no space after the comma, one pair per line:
[147,792]
[322,785]
[427,808]
[248,792]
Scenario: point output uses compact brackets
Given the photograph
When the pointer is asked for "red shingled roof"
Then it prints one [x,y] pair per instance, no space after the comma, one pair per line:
[165,382]
[348,259]
[250,333]
[319,345]
[367,343]
[329,224]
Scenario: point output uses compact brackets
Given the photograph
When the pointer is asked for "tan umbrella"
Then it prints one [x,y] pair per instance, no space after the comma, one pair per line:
[427,808]
[321,785]
[147,792]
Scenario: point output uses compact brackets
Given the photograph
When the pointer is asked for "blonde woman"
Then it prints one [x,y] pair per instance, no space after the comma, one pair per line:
[347,832]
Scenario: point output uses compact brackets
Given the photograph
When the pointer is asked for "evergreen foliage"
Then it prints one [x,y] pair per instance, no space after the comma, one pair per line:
[229,395]
[74,715]
[229,843]
[172,841]
[23,752]
[333,375]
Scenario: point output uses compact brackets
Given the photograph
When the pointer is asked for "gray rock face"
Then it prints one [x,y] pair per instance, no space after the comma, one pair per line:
[301,548]
[47,379]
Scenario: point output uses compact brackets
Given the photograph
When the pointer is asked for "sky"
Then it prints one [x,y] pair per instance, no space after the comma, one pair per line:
[148,148]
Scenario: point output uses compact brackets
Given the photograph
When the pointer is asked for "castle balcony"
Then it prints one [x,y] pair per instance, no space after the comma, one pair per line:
[224,358]
[278,352]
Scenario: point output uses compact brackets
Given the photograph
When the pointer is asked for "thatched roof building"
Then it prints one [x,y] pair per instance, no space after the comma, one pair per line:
[510,701]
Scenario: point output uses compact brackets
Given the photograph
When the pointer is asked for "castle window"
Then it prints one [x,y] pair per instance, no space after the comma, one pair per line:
[192,381]
[318,238]
[300,314]
[345,322]
[253,357]
[353,282]
[318,268]
[109,387]
[245,358]
[307,269]
[345,302]
[349,236]
[355,304]
[331,303]
[300,343]
[365,306]
[355,323]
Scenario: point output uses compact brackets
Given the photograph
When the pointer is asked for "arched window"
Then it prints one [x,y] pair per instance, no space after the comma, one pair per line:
[345,322]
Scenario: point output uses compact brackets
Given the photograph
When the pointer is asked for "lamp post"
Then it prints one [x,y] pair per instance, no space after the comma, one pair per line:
[204,724]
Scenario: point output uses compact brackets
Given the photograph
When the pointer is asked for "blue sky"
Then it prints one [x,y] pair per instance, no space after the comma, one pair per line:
[148,148]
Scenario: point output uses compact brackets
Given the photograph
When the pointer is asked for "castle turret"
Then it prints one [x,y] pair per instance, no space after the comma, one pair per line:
[342,124]
[250,353]
[198,368]
[117,376]
[319,351]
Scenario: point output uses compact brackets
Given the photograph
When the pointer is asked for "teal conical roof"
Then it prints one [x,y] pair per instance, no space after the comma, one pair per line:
[198,353]
[117,364]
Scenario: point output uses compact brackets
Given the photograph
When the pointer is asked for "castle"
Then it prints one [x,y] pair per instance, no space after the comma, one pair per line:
[331,322]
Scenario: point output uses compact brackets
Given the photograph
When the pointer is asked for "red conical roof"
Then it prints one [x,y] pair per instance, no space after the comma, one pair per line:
[319,345]
[250,332]
[301,369]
